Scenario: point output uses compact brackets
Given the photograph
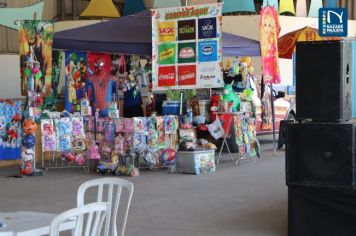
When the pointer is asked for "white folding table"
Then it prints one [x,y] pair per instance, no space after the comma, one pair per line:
[29,223]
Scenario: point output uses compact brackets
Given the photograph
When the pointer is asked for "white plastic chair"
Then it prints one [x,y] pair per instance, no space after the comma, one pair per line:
[110,190]
[90,216]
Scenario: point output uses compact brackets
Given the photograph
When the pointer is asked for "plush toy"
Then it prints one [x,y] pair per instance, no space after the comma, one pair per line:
[29,141]
[29,126]
[27,168]
[230,96]
[27,155]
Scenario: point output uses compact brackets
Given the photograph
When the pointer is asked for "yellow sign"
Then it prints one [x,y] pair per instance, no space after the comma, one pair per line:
[167,31]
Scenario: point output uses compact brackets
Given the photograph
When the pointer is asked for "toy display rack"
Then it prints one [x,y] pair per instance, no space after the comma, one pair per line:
[54,159]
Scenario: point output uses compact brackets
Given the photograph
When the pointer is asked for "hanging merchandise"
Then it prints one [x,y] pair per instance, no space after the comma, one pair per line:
[10,130]
[49,102]
[35,42]
[48,135]
[101,86]
[119,125]
[170,125]
[187,47]
[269,32]
[76,75]
[131,88]
[140,125]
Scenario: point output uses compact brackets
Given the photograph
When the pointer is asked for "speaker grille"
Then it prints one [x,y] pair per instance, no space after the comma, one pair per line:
[320,155]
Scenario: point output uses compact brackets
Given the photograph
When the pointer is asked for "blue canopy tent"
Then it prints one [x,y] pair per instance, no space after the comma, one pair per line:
[132,34]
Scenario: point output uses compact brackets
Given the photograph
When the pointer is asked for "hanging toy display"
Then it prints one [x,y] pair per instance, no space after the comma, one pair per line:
[100,87]
[29,126]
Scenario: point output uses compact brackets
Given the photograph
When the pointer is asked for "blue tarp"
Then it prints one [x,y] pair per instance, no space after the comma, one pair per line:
[132,34]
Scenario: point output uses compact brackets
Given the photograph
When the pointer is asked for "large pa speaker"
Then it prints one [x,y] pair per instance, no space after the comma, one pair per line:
[323,80]
[321,155]
[315,212]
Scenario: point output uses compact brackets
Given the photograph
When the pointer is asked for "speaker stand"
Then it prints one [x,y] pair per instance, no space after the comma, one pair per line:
[273,120]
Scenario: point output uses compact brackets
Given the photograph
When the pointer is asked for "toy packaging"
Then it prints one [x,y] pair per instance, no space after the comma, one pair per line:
[170,125]
[77,126]
[119,125]
[140,125]
[129,125]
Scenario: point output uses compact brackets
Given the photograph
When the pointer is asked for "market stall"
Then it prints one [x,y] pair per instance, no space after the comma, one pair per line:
[99,73]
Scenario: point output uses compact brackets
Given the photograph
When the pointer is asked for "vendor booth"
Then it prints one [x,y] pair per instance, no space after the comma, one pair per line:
[113,79]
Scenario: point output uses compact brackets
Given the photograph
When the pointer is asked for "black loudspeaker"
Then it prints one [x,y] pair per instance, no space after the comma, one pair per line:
[323,80]
[315,212]
[321,155]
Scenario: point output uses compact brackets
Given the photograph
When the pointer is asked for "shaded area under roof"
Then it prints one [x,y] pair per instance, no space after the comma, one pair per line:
[132,34]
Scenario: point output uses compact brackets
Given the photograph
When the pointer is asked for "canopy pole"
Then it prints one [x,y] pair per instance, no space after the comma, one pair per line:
[273,121]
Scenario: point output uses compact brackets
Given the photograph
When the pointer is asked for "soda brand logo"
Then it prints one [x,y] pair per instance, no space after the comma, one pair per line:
[169,76]
[165,54]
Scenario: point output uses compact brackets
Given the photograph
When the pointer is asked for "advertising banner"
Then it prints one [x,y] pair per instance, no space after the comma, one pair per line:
[186,47]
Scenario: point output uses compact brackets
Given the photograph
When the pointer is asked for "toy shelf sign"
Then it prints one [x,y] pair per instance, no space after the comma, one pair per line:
[186,47]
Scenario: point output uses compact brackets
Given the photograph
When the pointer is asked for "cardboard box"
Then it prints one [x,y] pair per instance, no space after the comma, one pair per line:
[195,162]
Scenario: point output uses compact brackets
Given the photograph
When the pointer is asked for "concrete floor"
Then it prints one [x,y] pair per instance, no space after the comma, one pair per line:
[245,200]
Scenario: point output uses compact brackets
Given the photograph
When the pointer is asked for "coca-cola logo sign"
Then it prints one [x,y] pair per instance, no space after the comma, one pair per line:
[169,76]
[166,76]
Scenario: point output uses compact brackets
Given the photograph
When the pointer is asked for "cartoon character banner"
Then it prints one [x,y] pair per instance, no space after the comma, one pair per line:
[35,49]
[76,75]
[10,130]
[186,47]
[269,32]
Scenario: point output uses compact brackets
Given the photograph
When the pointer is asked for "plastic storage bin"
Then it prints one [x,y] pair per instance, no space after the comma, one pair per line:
[195,162]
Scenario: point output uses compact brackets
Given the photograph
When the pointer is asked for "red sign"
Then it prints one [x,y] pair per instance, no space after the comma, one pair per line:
[187,75]
[166,76]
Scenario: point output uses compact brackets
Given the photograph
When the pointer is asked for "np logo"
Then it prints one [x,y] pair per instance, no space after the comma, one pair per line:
[333,22]
[207,50]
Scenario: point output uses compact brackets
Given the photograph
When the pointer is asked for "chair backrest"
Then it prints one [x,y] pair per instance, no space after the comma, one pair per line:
[90,216]
[110,190]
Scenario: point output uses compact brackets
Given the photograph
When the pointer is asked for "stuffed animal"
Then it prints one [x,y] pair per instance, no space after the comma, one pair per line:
[29,126]
[230,96]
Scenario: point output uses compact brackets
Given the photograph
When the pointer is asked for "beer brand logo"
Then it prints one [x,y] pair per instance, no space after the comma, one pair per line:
[187,76]
[207,50]
[186,30]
